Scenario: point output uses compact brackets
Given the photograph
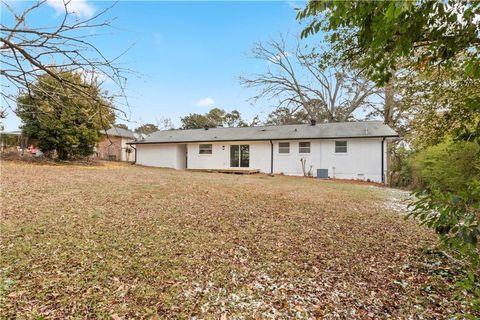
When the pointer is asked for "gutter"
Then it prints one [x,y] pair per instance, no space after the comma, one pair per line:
[134,148]
[383,174]
[271,157]
[265,139]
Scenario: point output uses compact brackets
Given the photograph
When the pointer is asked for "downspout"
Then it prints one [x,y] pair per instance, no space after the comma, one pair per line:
[383,174]
[271,157]
[135,159]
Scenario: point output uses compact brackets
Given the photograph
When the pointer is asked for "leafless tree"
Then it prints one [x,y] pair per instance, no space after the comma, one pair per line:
[397,98]
[303,80]
[165,123]
[28,52]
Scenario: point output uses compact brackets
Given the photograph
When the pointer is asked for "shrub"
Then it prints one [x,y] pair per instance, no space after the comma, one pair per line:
[448,166]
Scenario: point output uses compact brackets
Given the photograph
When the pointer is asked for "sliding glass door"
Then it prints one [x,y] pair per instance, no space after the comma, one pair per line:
[240,156]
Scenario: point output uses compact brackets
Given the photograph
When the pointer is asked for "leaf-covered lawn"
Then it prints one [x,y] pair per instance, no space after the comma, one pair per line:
[120,241]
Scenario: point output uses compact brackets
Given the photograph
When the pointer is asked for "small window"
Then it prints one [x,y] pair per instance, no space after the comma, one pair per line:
[284,147]
[205,149]
[304,147]
[340,146]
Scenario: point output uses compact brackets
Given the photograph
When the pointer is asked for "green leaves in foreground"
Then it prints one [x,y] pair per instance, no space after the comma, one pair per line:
[420,37]
[379,34]
[455,216]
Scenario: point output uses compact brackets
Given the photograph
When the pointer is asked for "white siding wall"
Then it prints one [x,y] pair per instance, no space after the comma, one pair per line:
[290,164]
[162,155]
[220,157]
[362,160]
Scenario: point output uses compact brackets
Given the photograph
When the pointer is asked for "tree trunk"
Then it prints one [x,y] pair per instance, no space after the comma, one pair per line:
[389,103]
[388,119]
[62,154]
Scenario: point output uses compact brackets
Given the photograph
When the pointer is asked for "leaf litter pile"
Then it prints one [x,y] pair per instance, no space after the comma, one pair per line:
[119,241]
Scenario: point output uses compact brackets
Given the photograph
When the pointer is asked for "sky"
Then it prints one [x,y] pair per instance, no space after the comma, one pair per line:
[186,57]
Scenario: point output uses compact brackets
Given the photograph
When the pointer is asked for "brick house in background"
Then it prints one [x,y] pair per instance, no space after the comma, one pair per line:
[114,146]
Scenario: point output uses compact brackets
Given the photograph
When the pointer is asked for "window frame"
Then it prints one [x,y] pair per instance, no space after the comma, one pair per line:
[345,147]
[304,147]
[200,149]
[280,148]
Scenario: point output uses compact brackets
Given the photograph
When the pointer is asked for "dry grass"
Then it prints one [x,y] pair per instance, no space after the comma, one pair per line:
[119,241]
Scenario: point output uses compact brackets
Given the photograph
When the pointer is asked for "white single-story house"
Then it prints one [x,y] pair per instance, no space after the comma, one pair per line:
[346,150]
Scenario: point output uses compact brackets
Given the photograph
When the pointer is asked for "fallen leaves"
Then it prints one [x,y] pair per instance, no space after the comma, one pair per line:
[119,241]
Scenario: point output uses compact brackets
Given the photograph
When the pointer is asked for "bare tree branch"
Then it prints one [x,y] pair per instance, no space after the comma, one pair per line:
[326,93]
[27,53]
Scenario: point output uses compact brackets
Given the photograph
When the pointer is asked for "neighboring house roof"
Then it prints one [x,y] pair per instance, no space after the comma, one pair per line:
[139,136]
[119,132]
[334,130]
[12,133]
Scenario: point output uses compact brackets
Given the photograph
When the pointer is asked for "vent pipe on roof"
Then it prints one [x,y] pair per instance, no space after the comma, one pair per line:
[205,127]
[366,129]
[313,122]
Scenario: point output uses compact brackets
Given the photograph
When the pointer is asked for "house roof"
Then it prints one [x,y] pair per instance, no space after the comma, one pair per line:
[119,132]
[365,129]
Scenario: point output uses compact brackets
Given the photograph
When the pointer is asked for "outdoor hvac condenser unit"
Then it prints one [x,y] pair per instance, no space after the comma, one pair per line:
[322,173]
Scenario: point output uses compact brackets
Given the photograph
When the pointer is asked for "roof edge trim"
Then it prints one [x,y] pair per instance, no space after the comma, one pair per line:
[276,139]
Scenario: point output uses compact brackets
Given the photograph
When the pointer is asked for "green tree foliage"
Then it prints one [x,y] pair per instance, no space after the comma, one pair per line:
[437,44]
[400,172]
[147,128]
[62,119]
[417,35]
[216,117]
[420,36]
[195,121]
[213,119]
[121,125]
[233,119]
[285,115]
[448,166]
[378,34]
[7,140]
[443,104]
[448,176]
[433,106]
